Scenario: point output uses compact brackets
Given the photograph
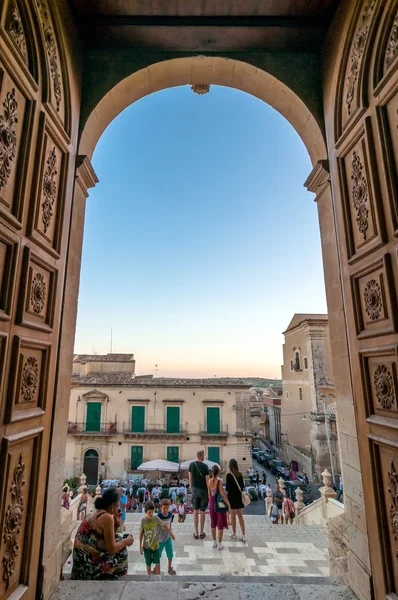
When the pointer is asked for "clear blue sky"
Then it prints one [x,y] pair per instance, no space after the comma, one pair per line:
[200,240]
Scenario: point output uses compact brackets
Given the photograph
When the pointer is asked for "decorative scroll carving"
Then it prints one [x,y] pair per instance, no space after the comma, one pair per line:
[392,46]
[16,31]
[360,194]
[51,48]
[38,293]
[384,387]
[30,375]
[8,137]
[49,189]
[13,522]
[357,50]
[393,508]
[373,300]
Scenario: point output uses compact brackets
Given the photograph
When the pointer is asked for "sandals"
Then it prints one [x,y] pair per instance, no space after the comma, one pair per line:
[202,536]
[171,571]
[195,535]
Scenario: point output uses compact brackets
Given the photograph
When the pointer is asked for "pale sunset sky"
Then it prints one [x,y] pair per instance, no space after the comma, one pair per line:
[200,240]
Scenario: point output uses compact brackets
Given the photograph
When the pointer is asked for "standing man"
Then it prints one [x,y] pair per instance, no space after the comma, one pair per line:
[123,504]
[278,500]
[198,478]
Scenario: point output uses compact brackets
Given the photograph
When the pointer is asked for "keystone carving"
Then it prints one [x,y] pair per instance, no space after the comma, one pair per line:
[373,301]
[8,137]
[49,189]
[13,522]
[360,194]
[384,387]
[30,375]
[38,293]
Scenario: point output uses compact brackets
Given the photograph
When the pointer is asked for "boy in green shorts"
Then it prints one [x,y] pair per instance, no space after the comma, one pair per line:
[149,537]
[165,542]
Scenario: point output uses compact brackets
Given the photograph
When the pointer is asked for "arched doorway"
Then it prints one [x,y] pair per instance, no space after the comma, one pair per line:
[90,466]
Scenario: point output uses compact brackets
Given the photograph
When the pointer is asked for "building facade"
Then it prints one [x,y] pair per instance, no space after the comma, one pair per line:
[308,417]
[118,420]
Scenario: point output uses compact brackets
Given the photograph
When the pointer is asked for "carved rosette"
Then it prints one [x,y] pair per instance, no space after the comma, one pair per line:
[392,46]
[384,387]
[38,293]
[373,300]
[8,137]
[51,49]
[49,189]
[393,508]
[16,31]
[357,51]
[360,194]
[30,375]
[13,522]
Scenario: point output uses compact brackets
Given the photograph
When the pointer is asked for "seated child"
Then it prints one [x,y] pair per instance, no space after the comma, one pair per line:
[149,537]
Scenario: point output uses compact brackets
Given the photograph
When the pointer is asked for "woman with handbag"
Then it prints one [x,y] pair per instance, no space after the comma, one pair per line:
[219,507]
[238,498]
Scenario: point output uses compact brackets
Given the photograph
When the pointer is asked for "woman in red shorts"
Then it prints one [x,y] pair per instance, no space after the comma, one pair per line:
[219,520]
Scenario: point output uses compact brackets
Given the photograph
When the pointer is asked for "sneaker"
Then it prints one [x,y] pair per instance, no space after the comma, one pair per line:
[215,544]
[220,546]
[243,539]
[232,536]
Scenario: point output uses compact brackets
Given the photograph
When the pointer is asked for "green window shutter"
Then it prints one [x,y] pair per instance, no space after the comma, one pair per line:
[213,453]
[213,419]
[173,419]
[93,416]
[136,456]
[173,453]
[138,419]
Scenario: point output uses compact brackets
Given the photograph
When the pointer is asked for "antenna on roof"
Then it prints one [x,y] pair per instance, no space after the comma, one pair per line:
[111,340]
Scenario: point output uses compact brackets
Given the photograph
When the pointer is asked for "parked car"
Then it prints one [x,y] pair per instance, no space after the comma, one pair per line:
[279,468]
[274,465]
[255,452]
[291,487]
[300,476]
[264,458]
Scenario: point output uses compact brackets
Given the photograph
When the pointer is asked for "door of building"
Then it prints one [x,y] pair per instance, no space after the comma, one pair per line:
[136,456]
[173,454]
[213,453]
[173,419]
[93,416]
[213,424]
[138,419]
[90,466]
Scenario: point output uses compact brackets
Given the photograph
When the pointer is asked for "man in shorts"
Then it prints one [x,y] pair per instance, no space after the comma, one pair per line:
[278,500]
[198,478]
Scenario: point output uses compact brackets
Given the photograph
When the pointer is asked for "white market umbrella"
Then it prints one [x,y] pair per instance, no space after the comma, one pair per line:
[159,465]
[186,463]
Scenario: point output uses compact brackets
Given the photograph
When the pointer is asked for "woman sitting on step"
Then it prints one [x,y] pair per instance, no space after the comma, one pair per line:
[100,552]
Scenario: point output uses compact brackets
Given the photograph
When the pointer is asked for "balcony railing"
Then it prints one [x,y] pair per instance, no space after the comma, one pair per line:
[154,430]
[211,429]
[92,428]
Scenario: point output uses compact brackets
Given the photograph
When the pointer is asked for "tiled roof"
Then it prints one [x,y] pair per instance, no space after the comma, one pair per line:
[125,379]
[85,358]
[299,318]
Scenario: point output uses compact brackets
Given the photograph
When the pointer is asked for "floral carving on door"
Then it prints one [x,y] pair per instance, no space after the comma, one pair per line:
[16,31]
[360,194]
[392,46]
[38,293]
[393,508]
[384,387]
[49,189]
[13,522]
[373,301]
[30,375]
[51,48]
[8,137]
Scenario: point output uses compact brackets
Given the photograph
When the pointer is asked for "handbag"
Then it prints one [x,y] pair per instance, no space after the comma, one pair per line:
[219,502]
[245,496]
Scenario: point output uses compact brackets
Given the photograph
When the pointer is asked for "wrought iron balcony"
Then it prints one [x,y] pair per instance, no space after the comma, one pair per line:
[92,429]
[151,430]
[211,430]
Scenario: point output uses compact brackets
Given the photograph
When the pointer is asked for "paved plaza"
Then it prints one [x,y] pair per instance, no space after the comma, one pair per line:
[271,550]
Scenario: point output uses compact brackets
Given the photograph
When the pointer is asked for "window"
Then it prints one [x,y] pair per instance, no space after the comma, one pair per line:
[291,365]
[297,361]
[287,395]
[173,419]
[305,362]
[301,394]
[93,416]
[138,419]
[213,424]
[213,453]
[173,454]
[136,456]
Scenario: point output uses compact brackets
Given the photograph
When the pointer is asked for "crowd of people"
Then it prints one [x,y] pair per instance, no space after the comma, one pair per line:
[100,547]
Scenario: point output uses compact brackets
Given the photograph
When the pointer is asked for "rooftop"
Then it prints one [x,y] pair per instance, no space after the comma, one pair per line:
[85,358]
[125,379]
[300,318]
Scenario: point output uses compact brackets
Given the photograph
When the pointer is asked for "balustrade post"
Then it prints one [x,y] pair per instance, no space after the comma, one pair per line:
[299,504]
[327,492]
[268,500]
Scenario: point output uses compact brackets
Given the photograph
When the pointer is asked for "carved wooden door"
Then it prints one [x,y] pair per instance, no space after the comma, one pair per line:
[362,124]
[35,195]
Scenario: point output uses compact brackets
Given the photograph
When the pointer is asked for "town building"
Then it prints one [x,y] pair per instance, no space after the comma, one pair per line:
[118,420]
[308,417]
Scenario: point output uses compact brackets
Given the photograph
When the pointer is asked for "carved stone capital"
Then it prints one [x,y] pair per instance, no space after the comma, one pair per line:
[319,178]
[85,174]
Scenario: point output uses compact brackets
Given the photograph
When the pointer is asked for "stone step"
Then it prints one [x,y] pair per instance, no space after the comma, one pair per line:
[204,588]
